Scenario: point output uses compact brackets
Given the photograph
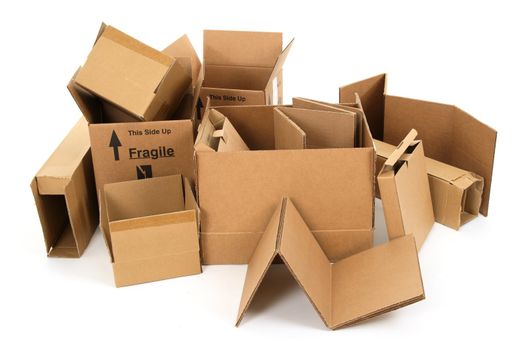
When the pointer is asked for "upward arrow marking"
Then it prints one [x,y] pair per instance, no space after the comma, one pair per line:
[115,143]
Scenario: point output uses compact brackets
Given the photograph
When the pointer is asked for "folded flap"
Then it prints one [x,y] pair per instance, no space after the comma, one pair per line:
[287,134]
[237,48]
[260,261]
[182,47]
[216,133]
[376,281]
[401,149]
[279,63]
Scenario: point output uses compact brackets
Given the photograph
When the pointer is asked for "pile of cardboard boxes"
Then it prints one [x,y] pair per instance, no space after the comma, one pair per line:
[184,163]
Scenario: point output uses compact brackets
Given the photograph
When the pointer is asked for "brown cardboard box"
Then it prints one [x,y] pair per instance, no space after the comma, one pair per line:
[405,192]
[456,193]
[130,151]
[451,135]
[353,289]
[238,191]
[243,68]
[126,80]
[216,133]
[65,196]
[153,225]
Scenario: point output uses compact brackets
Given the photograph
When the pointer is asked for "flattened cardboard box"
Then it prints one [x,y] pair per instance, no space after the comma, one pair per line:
[405,192]
[126,80]
[358,287]
[450,135]
[153,225]
[134,151]
[239,190]
[456,193]
[216,133]
[65,195]
[243,68]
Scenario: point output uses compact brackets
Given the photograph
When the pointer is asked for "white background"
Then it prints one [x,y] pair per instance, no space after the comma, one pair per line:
[468,55]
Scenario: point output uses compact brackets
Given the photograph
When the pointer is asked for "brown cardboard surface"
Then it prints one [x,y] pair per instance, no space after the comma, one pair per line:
[216,133]
[456,193]
[243,68]
[65,196]
[451,135]
[358,287]
[154,229]
[124,79]
[129,151]
[405,191]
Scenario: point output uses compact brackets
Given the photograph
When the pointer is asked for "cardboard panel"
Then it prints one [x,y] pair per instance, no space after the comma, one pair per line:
[286,133]
[216,133]
[236,48]
[226,97]
[280,62]
[182,47]
[236,77]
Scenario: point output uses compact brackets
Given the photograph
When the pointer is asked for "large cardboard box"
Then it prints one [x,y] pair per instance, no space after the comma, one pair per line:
[126,80]
[450,135]
[456,193]
[65,196]
[238,191]
[141,150]
[153,226]
[405,192]
[350,290]
[243,68]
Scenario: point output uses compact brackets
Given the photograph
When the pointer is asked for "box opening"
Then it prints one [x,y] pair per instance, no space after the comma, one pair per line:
[236,77]
[469,204]
[61,233]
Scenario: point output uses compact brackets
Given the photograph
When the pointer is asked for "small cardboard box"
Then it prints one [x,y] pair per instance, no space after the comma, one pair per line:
[153,226]
[451,135]
[238,191]
[217,134]
[405,192]
[126,80]
[243,68]
[140,150]
[65,196]
[456,193]
[353,289]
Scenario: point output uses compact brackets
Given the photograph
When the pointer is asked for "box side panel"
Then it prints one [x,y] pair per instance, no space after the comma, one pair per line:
[229,97]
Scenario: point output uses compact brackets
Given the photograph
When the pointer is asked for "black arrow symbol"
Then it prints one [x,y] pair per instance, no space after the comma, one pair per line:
[115,143]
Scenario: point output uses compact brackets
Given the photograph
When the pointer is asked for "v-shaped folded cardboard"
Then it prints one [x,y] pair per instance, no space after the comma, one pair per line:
[239,190]
[216,133]
[405,192]
[153,225]
[451,135]
[361,286]
[126,80]
[243,68]
[65,196]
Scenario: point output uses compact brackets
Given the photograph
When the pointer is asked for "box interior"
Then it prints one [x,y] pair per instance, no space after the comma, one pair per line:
[236,77]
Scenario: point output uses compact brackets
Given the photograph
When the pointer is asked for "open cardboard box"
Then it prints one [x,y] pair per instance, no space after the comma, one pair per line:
[243,68]
[139,150]
[125,80]
[65,196]
[450,135]
[217,134]
[153,226]
[405,192]
[238,190]
[350,290]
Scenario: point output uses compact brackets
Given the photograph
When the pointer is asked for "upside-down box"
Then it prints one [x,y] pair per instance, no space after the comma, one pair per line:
[153,226]
[450,135]
[65,195]
[238,190]
[405,193]
[126,80]
[350,290]
[243,68]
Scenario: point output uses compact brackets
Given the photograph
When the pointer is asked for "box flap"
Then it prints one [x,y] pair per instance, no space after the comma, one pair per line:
[182,47]
[279,64]
[216,133]
[237,48]
[401,149]
[287,134]
[57,171]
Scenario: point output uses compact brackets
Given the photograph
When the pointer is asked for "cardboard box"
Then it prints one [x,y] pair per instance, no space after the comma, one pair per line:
[65,196]
[153,226]
[456,193]
[134,151]
[126,80]
[217,134]
[243,68]
[353,289]
[238,191]
[451,135]
[405,192]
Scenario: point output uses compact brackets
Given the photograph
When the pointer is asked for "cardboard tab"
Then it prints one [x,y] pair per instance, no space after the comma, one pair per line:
[405,191]
[217,134]
[361,286]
